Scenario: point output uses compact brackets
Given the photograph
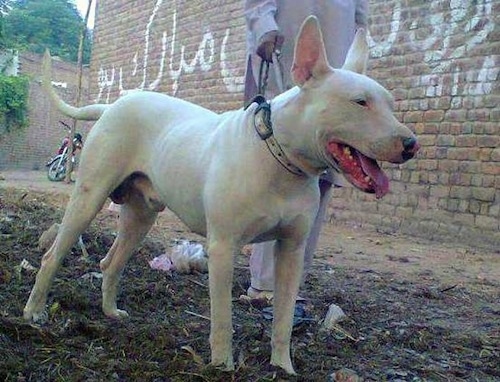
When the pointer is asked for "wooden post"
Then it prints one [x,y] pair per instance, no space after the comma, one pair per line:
[83,34]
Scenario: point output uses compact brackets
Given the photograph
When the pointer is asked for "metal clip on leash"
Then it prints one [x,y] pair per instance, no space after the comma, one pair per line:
[263,77]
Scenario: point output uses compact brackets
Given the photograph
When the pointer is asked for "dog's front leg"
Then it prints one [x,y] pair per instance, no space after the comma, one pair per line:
[288,273]
[220,268]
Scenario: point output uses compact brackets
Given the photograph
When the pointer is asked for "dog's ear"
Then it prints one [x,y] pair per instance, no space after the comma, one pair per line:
[310,54]
[357,57]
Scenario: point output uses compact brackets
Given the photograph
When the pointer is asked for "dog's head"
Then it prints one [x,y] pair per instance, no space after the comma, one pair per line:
[353,119]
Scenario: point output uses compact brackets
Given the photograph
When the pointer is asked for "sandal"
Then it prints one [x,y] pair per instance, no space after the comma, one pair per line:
[299,314]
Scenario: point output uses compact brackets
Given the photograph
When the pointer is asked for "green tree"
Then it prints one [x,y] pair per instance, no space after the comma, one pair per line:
[4,10]
[35,25]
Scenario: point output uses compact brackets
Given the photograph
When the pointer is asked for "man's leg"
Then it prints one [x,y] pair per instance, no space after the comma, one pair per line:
[325,188]
[262,267]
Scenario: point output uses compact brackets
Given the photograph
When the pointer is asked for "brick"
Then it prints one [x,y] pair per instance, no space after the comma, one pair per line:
[487,222]
[483,194]
[427,165]
[479,115]
[413,116]
[445,140]
[494,210]
[474,207]
[488,181]
[491,128]
[456,103]
[461,179]
[459,153]
[490,168]
[463,219]
[485,207]
[440,191]
[459,192]
[473,167]
[456,115]
[427,140]
[466,141]
[467,128]
[456,128]
[452,205]
[448,165]
[488,141]
[485,154]
[433,116]
[431,128]
[477,180]
[495,155]
[441,152]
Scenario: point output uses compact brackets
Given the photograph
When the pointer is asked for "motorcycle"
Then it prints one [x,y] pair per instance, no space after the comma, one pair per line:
[56,166]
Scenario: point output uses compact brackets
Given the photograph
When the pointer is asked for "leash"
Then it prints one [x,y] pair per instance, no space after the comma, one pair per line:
[263,77]
[264,74]
[262,115]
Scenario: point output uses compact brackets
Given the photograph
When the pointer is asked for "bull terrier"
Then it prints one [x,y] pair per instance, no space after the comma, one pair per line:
[239,177]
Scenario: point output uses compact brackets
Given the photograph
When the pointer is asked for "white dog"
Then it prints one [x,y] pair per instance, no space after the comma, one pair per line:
[238,177]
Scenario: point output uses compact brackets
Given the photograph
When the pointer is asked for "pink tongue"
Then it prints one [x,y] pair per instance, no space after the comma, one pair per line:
[371,168]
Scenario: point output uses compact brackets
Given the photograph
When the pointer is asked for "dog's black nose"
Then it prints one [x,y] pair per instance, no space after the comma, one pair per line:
[410,148]
[409,143]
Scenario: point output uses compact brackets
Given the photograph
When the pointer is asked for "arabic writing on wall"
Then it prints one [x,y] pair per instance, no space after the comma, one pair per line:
[447,19]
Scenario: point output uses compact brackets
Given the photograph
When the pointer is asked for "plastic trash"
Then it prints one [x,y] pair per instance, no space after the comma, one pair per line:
[185,257]
[161,263]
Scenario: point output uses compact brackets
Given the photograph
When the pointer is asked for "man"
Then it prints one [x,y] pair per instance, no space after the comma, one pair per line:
[271,29]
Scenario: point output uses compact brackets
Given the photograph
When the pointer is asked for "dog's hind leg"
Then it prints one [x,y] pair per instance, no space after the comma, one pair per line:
[83,206]
[135,221]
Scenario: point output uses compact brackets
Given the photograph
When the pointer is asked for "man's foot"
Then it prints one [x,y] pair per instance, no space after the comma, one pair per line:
[257,294]
[300,315]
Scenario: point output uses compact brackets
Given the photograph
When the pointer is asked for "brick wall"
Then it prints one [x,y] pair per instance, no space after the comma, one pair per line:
[191,49]
[439,58]
[30,147]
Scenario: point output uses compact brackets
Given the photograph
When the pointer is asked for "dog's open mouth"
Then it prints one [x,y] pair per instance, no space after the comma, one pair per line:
[361,171]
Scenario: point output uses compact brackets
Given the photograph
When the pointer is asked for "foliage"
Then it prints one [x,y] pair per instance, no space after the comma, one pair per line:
[35,25]
[14,101]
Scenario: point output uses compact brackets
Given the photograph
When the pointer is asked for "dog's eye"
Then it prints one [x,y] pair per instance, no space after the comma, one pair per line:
[361,102]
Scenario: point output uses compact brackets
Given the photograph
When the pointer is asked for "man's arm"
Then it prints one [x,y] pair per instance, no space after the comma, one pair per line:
[361,16]
[261,24]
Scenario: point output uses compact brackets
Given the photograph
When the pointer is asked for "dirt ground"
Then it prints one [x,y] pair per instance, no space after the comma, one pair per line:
[416,310]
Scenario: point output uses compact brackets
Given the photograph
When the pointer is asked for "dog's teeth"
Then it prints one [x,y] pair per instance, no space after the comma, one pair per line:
[347,151]
[367,179]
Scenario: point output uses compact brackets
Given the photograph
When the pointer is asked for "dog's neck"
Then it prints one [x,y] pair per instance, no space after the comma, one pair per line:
[264,128]
[301,146]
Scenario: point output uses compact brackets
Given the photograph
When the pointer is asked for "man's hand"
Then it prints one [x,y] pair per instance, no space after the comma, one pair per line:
[268,44]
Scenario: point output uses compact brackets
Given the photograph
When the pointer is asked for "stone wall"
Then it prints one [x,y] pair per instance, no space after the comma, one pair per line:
[30,147]
[439,58]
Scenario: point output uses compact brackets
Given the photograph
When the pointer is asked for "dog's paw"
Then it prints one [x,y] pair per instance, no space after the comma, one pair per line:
[117,314]
[284,364]
[36,317]
[227,365]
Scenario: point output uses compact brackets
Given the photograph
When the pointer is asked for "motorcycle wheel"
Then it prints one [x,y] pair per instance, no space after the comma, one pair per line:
[57,170]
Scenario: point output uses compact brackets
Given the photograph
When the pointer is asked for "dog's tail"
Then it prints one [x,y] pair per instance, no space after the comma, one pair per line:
[85,113]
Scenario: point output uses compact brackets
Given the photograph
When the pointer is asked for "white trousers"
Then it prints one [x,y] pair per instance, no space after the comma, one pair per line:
[262,257]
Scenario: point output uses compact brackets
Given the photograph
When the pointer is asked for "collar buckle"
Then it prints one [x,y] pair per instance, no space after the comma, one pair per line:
[262,120]
[264,128]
